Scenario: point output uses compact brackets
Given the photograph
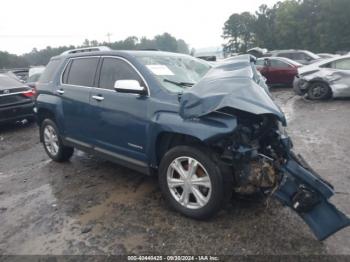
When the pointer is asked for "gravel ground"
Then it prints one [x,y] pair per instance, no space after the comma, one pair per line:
[91,206]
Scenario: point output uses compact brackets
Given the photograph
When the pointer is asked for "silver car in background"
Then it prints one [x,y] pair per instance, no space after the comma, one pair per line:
[329,78]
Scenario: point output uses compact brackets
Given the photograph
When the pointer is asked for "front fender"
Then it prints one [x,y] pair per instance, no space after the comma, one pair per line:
[208,128]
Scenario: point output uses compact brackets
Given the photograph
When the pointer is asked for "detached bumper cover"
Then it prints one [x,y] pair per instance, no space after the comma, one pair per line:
[307,194]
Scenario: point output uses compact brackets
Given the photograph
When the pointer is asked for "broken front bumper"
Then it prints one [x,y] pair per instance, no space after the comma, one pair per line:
[307,193]
[300,86]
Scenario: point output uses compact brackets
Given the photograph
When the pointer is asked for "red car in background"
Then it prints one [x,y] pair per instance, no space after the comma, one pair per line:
[278,71]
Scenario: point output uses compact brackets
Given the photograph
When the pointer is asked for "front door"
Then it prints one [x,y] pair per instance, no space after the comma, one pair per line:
[280,72]
[120,127]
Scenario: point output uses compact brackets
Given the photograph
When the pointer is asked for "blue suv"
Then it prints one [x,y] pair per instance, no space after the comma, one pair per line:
[207,132]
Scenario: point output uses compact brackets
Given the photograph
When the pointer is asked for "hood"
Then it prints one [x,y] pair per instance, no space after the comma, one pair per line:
[235,84]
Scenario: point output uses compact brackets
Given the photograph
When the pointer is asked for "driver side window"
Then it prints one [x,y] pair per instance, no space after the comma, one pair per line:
[114,69]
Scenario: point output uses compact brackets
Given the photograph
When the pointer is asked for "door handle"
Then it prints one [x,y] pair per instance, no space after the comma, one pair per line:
[98,98]
[60,91]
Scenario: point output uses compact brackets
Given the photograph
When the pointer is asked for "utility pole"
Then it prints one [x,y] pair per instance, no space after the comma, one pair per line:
[109,37]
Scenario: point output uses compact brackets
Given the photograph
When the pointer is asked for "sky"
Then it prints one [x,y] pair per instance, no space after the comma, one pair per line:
[25,25]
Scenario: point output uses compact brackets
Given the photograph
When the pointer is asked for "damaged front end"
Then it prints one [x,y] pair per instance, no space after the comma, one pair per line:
[260,153]
[336,80]
[258,149]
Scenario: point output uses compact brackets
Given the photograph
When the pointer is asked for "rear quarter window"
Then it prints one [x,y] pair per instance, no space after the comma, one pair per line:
[49,72]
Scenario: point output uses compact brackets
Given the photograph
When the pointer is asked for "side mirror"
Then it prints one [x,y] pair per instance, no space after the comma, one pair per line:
[267,62]
[129,86]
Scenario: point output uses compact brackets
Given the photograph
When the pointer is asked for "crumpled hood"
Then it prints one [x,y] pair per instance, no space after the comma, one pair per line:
[233,84]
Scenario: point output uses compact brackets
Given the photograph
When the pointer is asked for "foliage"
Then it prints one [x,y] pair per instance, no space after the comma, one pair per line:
[11,61]
[164,42]
[316,25]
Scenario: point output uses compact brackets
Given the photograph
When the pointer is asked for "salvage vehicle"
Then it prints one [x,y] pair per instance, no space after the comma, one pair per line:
[16,100]
[34,75]
[205,131]
[304,57]
[257,52]
[278,71]
[325,79]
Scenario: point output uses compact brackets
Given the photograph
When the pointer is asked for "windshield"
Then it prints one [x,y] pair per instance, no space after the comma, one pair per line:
[314,56]
[175,72]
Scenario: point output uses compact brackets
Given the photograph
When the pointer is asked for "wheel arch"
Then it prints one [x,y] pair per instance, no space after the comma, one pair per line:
[323,81]
[44,113]
[167,140]
[169,129]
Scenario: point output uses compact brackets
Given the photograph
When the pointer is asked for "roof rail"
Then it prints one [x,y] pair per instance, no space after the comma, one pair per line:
[86,49]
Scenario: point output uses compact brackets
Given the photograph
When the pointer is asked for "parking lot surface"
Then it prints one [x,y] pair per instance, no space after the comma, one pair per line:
[91,206]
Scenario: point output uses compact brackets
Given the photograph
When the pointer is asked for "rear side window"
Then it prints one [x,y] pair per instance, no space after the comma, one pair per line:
[287,55]
[49,71]
[343,64]
[114,69]
[81,72]
[278,64]
[301,56]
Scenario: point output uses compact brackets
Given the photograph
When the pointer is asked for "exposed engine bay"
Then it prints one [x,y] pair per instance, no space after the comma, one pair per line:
[255,154]
[259,151]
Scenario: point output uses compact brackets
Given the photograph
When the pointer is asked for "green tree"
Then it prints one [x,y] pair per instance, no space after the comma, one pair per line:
[11,61]
[239,32]
[316,25]
[264,27]
[182,47]
[166,42]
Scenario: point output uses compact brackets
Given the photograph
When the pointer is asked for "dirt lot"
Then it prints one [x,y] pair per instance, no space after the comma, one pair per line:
[90,206]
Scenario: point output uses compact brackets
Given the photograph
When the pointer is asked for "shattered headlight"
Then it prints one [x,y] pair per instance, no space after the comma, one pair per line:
[282,129]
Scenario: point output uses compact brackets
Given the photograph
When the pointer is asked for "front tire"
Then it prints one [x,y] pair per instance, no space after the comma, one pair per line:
[319,91]
[192,182]
[53,143]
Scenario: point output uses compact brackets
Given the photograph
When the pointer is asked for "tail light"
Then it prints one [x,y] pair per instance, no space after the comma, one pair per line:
[30,93]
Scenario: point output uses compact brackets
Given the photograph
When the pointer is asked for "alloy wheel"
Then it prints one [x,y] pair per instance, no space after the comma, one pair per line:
[51,140]
[319,91]
[189,182]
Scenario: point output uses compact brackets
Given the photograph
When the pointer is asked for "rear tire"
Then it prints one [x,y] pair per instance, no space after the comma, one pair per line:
[53,143]
[319,91]
[204,186]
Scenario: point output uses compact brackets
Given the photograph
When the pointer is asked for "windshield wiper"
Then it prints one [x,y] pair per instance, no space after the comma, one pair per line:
[182,84]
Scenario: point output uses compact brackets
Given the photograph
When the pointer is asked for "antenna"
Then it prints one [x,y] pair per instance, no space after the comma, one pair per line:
[109,37]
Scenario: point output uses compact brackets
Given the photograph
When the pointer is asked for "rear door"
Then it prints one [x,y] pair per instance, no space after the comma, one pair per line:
[341,77]
[281,72]
[76,83]
[121,123]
